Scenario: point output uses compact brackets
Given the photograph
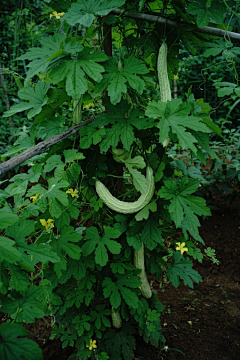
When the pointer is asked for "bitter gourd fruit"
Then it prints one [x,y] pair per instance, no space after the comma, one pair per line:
[127,207]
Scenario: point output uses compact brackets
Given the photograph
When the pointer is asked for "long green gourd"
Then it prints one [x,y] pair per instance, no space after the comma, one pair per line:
[165,91]
[127,207]
[139,264]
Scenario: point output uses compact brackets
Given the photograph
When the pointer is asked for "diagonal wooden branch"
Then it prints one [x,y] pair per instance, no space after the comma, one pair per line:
[153,18]
[42,146]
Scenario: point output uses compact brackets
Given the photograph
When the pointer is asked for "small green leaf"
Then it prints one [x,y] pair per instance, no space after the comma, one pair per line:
[144,213]
[182,269]
[72,154]
[139,180]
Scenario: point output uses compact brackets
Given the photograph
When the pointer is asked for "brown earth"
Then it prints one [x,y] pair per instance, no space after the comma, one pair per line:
[204,322]
[201,323]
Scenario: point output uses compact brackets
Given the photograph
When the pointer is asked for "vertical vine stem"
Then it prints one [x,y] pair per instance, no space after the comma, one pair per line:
[5,95]
[107,45]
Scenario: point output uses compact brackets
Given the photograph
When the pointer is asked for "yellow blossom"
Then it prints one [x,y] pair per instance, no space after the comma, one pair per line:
[175,77]
[88,105]
[92,344]
[34,198]
[57,15]
[49,224]
[181,247]
[72,192]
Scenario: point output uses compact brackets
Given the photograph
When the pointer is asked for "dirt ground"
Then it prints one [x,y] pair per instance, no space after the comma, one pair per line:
[201,323]
[204,322]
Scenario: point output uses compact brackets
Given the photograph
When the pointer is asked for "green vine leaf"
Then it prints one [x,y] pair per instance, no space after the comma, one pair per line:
[90,135]
[40,56]
[39,252]
[83,12]
[144,213]
[99,245]
[57,196]
[205,12]
[99,315]
[181,201]
[174,115]
[50,128]
[25,308]
[14,346]
[182,269]
[121,342]
[121,286]
[64,245]
[73,70]
[76,82]
[116,78]
[122,127]
[151,234]
[8,250]
[36,97]
[7,218]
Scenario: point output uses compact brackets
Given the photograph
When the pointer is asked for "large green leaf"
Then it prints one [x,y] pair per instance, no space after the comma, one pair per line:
[14,346]
[174,115]
[182,202]
[24,308]
[204,12]
[40,56]
[122,127]
[121,342]
[122,286]
[116,78]
[99,245]
[49,128]
[151,234]
[84,11]
[74,71]
[36,97]
[8,250]
[182,269]
[64,245]
[7,218]
[19,279]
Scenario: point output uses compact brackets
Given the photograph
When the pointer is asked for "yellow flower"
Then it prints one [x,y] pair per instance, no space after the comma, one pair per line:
[92,344]
[57,15]
[72,192]
[49,224]
[181,247]
[88,105]
[34,198]
[175,77]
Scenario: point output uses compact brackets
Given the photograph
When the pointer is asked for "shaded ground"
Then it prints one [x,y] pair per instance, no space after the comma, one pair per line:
[204,322]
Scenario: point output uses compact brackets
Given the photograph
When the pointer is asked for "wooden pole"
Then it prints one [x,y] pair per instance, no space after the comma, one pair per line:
[42,146]
[158,19]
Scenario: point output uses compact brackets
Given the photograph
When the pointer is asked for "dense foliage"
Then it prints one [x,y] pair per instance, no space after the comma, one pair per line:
[64,254]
